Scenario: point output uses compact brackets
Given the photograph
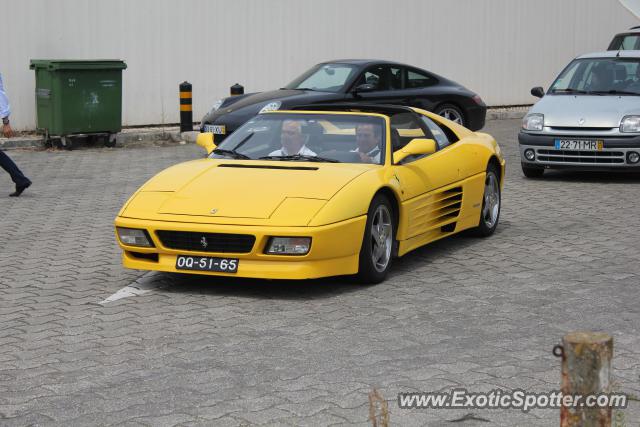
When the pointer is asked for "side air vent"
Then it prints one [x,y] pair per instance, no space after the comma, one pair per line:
[436,211]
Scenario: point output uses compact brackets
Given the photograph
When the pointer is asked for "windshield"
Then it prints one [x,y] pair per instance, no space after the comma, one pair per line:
[307,137]
[599,76]
[324,78]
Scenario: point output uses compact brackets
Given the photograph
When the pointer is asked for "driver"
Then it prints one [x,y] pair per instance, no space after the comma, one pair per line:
[368,140]
[601,78]
[292,140]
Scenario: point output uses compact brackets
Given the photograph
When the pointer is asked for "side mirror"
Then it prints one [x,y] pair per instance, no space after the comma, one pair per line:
[205,140]
[367,87]
[537,92]
[417,147]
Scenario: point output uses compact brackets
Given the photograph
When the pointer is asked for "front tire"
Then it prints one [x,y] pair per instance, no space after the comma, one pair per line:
[491,203]
[376,253]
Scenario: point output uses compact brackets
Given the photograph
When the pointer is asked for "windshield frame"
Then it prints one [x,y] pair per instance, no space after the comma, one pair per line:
[578,63]
[295,83]
[385,135]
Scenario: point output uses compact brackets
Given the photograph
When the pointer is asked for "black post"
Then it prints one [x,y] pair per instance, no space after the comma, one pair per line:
[186,108]
[237,89]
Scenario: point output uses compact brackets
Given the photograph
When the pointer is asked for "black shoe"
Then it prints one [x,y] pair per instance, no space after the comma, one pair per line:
[20,189]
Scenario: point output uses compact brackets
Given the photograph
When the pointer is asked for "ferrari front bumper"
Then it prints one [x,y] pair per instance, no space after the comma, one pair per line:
[334,249]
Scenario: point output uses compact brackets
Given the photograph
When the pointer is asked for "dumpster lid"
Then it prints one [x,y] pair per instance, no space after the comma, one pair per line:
[77,64]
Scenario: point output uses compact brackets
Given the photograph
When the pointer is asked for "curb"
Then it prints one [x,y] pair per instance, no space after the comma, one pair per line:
[125,138]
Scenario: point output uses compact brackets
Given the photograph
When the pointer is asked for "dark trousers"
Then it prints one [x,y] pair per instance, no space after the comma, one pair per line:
[16,174]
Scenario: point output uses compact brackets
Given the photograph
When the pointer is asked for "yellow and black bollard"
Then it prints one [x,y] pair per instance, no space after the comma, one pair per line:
[186,108]
[236,89]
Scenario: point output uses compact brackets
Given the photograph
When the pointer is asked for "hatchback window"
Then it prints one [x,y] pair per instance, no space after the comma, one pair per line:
[630,43]
[599,76]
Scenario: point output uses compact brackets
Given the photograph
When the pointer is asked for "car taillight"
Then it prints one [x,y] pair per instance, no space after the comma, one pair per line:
[478,100]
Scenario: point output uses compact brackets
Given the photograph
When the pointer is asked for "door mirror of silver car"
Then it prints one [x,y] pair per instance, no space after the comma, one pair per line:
[537,92]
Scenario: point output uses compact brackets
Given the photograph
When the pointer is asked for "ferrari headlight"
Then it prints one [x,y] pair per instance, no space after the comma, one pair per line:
[272,106]
[134,237]
[216,105]
[288,245]
[533,122]
[630,124]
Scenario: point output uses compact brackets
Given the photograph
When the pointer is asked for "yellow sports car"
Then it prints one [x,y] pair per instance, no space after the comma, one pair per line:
[340,190]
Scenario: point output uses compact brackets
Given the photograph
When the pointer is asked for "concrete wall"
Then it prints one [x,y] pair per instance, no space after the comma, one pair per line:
[498,48]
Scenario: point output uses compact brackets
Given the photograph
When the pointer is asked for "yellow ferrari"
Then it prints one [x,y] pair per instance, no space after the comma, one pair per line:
[301,194]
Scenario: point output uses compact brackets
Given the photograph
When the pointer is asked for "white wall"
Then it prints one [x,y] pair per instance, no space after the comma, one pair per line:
[498,48]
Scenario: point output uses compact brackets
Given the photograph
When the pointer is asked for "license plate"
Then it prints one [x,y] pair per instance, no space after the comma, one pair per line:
[579,144]
[215,129]
[205,263]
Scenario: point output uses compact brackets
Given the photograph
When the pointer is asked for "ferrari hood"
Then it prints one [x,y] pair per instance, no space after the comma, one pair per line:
[241,189]
[585,110]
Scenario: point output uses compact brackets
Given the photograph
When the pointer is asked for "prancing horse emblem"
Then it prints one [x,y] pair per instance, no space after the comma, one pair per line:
[204,242]
[213,211]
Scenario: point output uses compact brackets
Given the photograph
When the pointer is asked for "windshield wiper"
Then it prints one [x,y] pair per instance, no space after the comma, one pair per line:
[300,157]
[233,152]
[569,90]
[614,92]
[306,88]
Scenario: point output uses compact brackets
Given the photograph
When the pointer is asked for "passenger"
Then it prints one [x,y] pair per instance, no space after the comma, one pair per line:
[292,140]
[368,140]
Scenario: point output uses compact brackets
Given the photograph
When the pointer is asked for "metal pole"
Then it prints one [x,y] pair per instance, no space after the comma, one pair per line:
[586,367]
[236,89]
[186,108]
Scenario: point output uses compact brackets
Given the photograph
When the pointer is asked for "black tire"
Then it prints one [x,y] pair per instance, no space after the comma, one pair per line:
[532,171]
[489,219]
[368,271]
[450,111]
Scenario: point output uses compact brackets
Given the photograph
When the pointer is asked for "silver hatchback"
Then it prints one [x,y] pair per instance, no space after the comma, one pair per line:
[588,119]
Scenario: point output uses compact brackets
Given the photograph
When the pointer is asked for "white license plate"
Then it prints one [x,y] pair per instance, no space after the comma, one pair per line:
[204,263]
[579,144]
[215,129]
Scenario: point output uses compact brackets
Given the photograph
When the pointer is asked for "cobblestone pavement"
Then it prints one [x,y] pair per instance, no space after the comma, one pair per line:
[463,312]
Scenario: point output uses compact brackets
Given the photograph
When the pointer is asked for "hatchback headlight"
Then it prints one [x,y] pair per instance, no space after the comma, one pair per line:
[630,124]
[288,245]
[134,237]
[533,122]
[272,106]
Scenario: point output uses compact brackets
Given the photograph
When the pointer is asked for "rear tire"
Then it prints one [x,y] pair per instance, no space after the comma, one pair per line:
[532,171]
[451,112]
[491,204]
[376,252]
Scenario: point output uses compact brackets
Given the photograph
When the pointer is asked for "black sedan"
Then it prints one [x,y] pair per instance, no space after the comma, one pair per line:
[361,80]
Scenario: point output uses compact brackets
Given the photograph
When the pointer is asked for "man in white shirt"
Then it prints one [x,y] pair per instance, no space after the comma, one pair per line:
[292,140]
[368,140]
[21,181]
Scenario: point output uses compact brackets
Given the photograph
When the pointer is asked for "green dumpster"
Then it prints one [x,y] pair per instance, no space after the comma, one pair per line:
[78,98]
